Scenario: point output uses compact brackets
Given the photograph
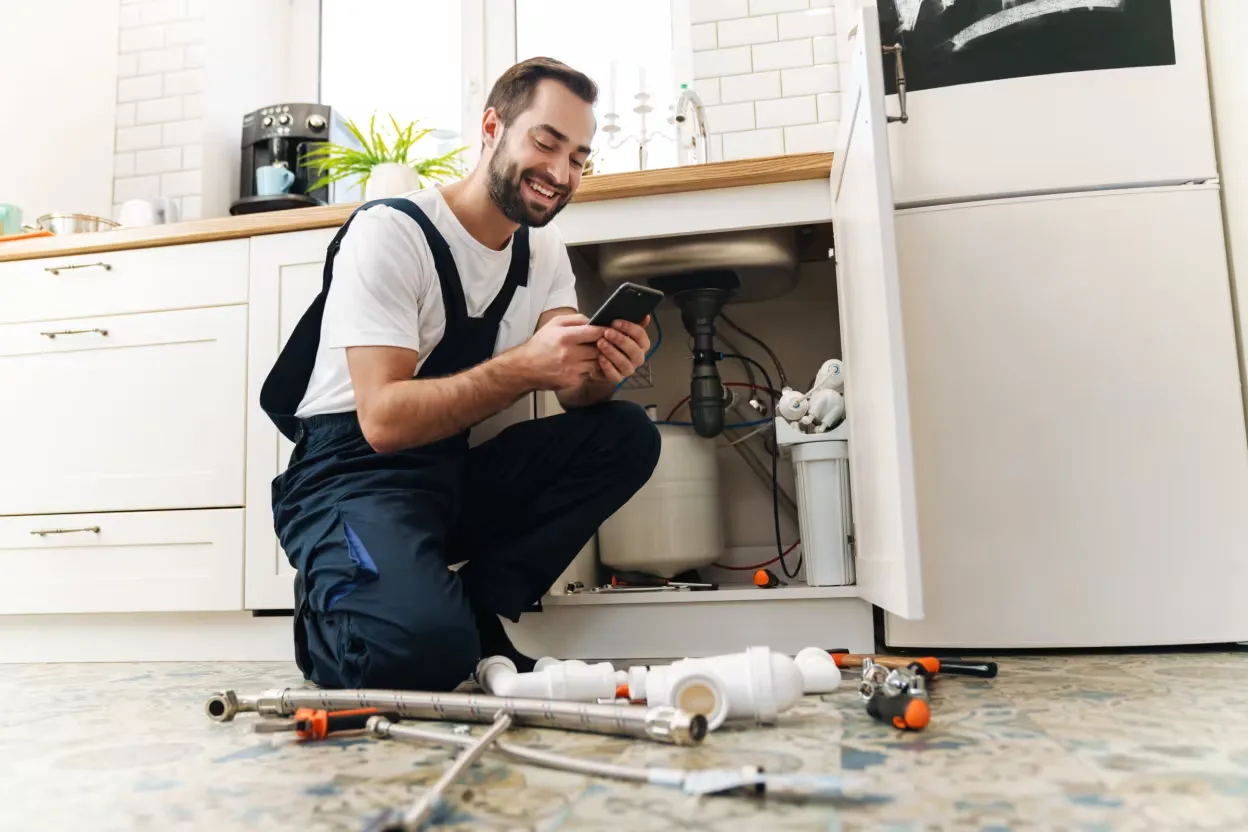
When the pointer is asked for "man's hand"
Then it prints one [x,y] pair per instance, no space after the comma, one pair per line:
[562,353]
[622,349]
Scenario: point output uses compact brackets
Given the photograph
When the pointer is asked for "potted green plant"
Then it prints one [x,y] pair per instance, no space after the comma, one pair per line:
[385,165]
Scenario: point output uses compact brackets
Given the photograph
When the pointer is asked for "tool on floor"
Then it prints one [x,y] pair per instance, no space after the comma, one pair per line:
[429,803]
[317,724]
[661,724]
[748,779]
[627,579]
[897,696]
[929,664]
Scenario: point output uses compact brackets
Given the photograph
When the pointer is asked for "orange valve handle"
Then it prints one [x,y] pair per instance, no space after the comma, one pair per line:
[908,713]
[765,579]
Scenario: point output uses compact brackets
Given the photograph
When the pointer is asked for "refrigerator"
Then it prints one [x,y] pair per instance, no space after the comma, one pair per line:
[1048,199]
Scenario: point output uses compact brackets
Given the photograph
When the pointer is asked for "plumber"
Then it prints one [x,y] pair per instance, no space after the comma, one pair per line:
[437,311]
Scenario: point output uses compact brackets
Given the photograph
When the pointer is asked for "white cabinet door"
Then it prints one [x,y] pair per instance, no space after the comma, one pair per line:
[124,412]
[285,278]
[881,460]
[981,126]
[128,561]
[1079,433]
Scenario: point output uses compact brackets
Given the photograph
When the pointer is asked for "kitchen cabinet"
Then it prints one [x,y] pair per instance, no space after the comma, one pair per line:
[1068,130]
[1079,432]
[285,276]
[125,412]
[116,562]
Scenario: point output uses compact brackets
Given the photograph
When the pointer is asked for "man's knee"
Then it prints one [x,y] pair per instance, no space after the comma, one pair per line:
[407,649]
[631,437]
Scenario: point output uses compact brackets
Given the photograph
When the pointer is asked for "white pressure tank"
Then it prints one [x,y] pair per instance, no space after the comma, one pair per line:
[673,522]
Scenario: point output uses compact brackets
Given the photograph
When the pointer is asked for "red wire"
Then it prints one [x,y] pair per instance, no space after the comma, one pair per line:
[759,565]
[681,403]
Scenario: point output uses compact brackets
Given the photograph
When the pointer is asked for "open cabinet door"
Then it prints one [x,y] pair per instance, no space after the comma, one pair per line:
[881,456]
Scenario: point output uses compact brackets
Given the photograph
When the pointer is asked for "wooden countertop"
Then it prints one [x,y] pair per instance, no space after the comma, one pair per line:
[762,171]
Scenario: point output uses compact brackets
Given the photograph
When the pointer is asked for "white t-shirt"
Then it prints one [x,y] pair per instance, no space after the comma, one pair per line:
[386,292]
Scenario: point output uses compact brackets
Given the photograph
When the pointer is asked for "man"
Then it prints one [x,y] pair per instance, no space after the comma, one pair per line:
[438,311]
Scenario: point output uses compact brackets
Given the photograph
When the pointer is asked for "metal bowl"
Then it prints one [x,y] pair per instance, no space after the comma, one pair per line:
[75,223]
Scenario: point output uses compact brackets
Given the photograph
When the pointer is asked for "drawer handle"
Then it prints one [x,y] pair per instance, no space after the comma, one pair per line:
[57,332]
[44,532]
[58,269]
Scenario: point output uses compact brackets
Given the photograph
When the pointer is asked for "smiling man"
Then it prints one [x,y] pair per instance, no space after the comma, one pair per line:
[439,310]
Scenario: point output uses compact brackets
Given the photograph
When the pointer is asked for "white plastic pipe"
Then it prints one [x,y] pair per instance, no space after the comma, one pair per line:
[570,681]
[819,671]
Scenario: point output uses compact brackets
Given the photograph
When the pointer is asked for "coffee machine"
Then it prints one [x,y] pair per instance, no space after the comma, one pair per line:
[272,176]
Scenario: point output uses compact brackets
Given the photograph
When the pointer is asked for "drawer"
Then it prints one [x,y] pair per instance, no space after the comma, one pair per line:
[124,412]
[148,561]
[121,282]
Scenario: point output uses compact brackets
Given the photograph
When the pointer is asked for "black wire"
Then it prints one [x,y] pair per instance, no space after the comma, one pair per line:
[775,461]
[784,381]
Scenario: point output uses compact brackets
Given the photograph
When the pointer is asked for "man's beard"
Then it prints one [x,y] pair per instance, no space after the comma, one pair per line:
[505,189]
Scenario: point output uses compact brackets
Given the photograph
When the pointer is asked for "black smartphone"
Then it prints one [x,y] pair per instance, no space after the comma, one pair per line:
[629,302]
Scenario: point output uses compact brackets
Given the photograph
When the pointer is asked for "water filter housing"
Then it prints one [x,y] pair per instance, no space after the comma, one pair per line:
[825,521]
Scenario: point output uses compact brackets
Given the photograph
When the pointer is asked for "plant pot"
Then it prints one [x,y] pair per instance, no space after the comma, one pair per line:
[390,179]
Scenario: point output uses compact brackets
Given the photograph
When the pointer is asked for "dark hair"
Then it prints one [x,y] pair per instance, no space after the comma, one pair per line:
[513,91]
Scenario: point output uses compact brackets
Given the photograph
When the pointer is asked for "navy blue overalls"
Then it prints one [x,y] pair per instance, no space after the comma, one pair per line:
[371,535]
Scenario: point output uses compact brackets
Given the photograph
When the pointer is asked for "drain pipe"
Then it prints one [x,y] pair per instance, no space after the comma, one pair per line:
[570,681]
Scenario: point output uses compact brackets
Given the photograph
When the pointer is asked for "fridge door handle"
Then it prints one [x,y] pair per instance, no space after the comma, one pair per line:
[900,75]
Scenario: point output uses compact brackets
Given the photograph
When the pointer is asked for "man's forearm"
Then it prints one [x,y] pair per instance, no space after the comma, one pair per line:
[415,412]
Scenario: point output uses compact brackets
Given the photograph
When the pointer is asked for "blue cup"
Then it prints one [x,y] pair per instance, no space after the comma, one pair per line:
[273,179]
[10,219]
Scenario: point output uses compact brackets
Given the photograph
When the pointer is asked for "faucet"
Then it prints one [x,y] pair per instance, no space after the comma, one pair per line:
[689,99]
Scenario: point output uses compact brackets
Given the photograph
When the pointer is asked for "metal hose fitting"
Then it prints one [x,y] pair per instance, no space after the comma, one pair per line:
[661,724]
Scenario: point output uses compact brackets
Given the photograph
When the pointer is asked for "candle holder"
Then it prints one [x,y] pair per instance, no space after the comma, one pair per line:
[643,138]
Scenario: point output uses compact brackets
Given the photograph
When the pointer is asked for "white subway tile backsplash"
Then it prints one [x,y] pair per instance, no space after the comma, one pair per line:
[807,24]
[184,32]
[816,4]
[811,138]
[825,50]
[138,138]
[716,62]
[160,60]
[702,11]
[144,37]
[726,118]
[162,11]
[716,147]
[139,88]
[191,208]
[183,132]
[703,37]
[829,106]
[747,30]
[749,87]
[185,82]
[192,106]
[128,65]
[158,110]
[809,80]
[192,156]
[123,165]
[129,17]
[708,90]
[125,115]
[195,56]
[753,143]
[781,55]
[773,6]
[183,183]
[141,187]
[780,112]
[158,161]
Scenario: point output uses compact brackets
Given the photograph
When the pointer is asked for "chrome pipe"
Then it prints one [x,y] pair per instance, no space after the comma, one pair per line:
[424,809]
[661,724]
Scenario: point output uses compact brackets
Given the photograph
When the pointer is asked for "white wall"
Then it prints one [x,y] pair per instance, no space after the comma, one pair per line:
[56,102]
[766,71]
[1226,24]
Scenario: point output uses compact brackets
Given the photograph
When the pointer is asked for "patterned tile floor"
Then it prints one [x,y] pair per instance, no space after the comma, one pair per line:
[1057,742]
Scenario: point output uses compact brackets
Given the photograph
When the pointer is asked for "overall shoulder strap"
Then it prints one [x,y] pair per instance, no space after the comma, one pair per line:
[517,275]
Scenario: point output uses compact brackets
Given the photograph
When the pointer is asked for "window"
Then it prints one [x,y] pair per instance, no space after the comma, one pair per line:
[395,57]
